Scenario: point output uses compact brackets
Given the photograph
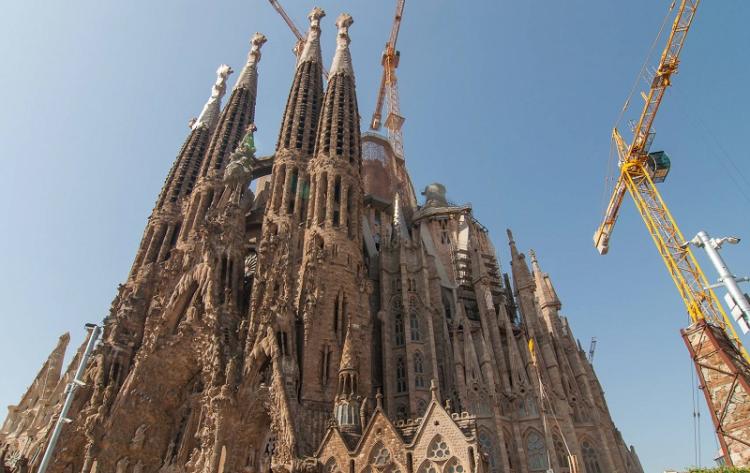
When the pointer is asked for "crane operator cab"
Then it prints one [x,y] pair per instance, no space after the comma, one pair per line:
[658,164]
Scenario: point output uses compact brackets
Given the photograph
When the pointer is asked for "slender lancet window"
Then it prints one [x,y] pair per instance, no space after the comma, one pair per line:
[398,322]
[418,370]
[337,201]
[536,451]
[400,376]
[416,330]
[590,458]
[322,198]
[488,447]
[292,196]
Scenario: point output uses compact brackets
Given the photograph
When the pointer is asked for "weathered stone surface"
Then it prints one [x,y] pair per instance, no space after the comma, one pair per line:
[319,325]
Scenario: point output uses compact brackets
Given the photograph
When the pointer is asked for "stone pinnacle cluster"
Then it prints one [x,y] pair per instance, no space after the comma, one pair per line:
[302,312]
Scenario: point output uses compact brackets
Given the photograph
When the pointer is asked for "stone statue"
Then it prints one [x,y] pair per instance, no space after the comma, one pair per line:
[240,167]
[230,374]
[435,195]
[122,465]
[139,437]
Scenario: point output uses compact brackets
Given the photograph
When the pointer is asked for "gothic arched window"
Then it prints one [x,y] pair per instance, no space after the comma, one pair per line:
[531,406]
[438,449]
[380,455]
[510,450]
[561,453]
[332,467]
[416,332]
[454,466]
[398,322]
[418,370]
[398,326]
[400,376]
[488,447]
[590,458]
[536,451]
[428,467]
[414,325]
[421,407]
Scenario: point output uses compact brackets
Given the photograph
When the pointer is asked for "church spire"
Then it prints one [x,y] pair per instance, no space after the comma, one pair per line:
[546,294]
[210,113]
[521,276]
[299,125]
[237,115]
[336,165]
[164,224]
[339,132]
[342,59]
[524,288]
[181,177]
[348,367]
[348,400]
[249,76]
[311,48]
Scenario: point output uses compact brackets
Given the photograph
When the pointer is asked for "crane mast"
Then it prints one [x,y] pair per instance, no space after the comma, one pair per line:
[721,362]
[300,38]
[389,89]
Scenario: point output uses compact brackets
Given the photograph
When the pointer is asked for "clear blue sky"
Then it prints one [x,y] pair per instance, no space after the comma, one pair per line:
[509,104]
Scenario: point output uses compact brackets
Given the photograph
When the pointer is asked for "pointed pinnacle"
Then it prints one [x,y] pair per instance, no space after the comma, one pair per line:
[534,262]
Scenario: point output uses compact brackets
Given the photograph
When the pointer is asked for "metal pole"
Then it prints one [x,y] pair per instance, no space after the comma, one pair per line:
[93,337]
[711,245]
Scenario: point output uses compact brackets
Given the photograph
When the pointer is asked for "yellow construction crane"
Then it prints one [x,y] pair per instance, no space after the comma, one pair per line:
[300,44]
[389,87]
[719,357]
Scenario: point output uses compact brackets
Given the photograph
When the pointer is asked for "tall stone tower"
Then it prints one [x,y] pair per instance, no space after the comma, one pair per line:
[301,311]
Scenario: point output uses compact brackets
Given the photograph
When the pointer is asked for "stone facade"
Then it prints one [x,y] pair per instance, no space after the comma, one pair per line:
[324,321]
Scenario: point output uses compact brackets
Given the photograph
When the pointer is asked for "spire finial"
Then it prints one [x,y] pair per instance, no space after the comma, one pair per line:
[210,113]
[342,60]
[256,42]
[511,241]
[433,389]
[534,262]
[311,48]
[343,22]
[315,15]
[249,74]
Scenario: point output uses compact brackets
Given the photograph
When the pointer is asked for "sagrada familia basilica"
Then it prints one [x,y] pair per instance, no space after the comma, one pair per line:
[304,312]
